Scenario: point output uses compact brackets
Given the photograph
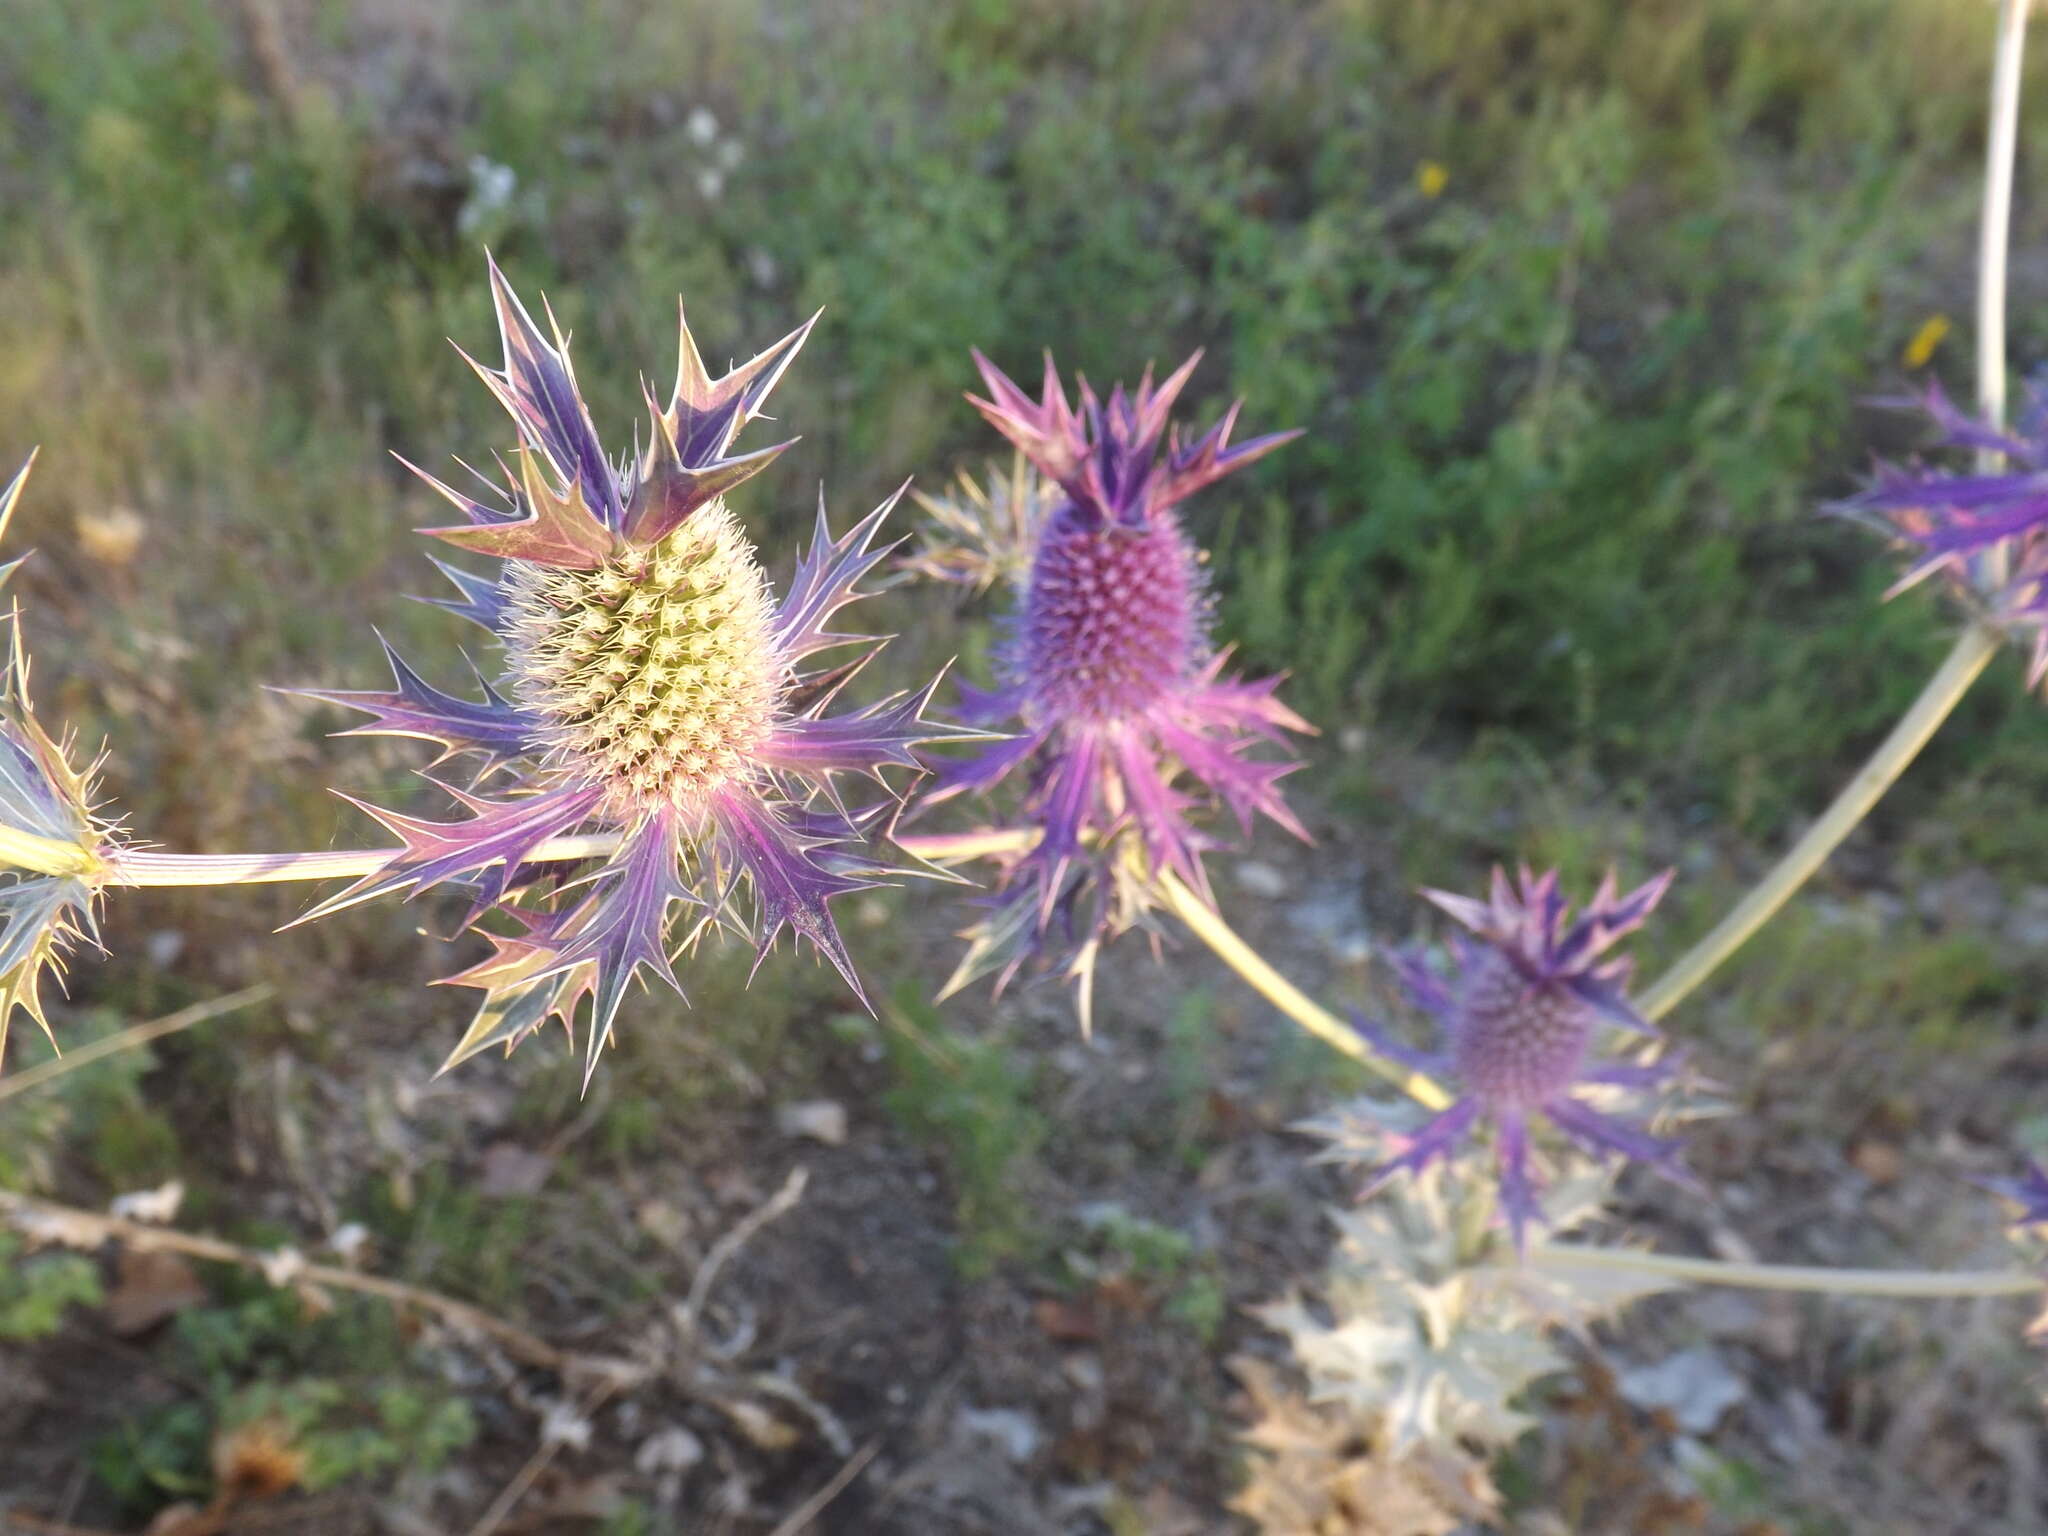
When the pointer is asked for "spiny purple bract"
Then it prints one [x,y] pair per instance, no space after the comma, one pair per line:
[1108,677]
[1986,533]
[652,686]
[2029,1192]
[1520,1014]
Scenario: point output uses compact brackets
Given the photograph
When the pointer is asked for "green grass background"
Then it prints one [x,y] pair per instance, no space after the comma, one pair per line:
[1569,419]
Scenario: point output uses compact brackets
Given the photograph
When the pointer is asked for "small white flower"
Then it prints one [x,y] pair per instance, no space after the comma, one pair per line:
[157,1205]
[283,1266]
[491,186]
[562,1425]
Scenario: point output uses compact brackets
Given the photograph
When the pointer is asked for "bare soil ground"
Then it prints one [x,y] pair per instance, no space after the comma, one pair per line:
[1074,1384]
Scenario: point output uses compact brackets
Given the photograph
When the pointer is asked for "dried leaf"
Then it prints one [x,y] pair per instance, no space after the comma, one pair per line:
[1066,1321]
[185,1519]
[1324,1470]
[822,1120]
[510,1169]
[254,1461]
[149,1288]
[760,1426]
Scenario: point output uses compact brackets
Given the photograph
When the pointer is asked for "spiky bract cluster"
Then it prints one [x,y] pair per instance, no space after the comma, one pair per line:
[55,854]
[1124,721]
[1985,533]
[982,533]
[1528,994]
[1433,1330]
[652,687]
[1321,1468]
[2029,1192]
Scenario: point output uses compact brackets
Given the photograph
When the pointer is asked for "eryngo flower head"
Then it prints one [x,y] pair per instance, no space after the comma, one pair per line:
[652,684]
[1124,721]
[1984,533]
[1528,995]
[55,854]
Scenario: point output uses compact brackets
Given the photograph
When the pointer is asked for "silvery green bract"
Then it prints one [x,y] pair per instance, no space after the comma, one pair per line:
[1436,1329]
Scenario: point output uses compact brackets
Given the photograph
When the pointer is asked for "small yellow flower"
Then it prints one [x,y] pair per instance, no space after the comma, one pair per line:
[111,538]
[1431,178]
[1924,341]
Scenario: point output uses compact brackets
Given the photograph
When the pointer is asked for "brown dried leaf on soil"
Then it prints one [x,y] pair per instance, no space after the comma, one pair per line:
[1318,1471]
[150,1287]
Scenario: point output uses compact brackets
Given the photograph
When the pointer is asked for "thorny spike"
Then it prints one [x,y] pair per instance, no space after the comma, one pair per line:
[559,528]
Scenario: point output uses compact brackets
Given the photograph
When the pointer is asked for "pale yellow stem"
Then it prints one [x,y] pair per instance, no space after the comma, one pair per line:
[1202,921]
[959,847]
[140,867]
[1994,231]
[40,855]
[1943,692]
[1925,1283]
[1976,646]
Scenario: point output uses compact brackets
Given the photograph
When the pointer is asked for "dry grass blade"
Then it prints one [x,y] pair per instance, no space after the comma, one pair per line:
[809,1510]
[76,1228]
[777,1204]
[12,1520]
[130,1038]
[510,1495]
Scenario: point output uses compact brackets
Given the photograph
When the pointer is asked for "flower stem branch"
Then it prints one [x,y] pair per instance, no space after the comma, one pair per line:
[138,867]
[1820,1278]
[131,1037]
[39,855]
[1202,921]
[1994,241]
[1973,650]
[74,1228]
[1975,647]
[1994,236]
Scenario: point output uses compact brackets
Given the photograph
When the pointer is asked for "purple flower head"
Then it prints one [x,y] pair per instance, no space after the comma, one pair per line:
[1520,1014]
[1125,723]
[1984,533]
[652,685]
